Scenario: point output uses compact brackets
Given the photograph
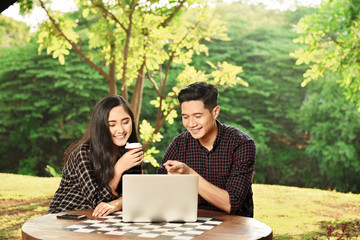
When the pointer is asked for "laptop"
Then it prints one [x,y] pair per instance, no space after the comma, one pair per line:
[160,198]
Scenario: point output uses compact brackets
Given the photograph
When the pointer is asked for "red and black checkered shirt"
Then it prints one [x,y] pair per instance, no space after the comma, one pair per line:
[78,188]
[229,165]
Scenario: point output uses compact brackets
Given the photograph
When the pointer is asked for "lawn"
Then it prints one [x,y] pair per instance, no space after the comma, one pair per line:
[293,213]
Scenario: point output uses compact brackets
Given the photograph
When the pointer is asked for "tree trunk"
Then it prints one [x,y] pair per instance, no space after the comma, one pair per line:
[136,99]
[112,70]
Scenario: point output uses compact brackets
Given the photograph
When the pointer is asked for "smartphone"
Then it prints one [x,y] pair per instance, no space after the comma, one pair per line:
[71,216]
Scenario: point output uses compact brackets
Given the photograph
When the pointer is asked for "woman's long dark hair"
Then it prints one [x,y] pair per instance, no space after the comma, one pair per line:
[104,153]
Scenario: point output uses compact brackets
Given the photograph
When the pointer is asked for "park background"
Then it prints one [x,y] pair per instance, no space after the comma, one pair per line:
[287,78]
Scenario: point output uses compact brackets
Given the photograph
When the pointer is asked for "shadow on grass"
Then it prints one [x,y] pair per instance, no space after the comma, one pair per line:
[339,230]
[330,230]
[14,213]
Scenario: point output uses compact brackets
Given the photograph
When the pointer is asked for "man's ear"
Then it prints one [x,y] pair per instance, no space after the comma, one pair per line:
[215,112]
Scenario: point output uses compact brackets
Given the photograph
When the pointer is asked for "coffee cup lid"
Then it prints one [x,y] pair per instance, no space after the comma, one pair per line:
[133,145]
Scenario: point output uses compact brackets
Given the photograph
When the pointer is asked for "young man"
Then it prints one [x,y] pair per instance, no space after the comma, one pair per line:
[222,156]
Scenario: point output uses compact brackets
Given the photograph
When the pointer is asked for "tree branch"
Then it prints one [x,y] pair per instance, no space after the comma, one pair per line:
[172,56]
[75,47]
[161,123]
[333,39]
[112,16]
[176,10]
[161,120]
[152,81]
[167,72]
[126,51]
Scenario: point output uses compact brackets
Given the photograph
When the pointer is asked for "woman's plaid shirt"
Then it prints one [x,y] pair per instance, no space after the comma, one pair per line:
[78,188]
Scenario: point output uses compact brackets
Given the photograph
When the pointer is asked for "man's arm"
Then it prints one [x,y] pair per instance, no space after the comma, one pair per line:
[211,193]
[230,199]
[214,195]
[240,179]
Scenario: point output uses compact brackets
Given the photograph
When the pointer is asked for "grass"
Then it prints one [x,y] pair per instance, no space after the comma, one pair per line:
[292,213]
[299,213]
[22,198]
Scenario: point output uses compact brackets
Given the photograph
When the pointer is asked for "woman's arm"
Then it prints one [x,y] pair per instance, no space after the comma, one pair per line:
[129,160]
[80,166]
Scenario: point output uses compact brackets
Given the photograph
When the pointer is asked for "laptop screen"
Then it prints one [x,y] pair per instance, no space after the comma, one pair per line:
[160,198]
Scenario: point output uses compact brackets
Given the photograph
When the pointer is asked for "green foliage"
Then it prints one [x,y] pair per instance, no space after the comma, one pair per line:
[49,38]
[333,125]
[43,107]
[137,38]
[331,41]
[264,108]
[13,33]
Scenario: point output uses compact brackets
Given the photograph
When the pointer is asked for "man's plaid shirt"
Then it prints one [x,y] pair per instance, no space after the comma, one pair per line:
[229,165]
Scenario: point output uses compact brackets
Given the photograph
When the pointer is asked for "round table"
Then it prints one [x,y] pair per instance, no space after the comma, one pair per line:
[232,227]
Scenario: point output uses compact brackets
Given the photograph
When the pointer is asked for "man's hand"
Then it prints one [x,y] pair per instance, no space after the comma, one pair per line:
[176,167]
[104,209]
[211,193]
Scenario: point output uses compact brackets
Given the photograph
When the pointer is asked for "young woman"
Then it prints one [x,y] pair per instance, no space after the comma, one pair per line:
[91,177]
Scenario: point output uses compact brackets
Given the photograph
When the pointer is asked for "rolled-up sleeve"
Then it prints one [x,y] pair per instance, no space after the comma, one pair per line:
[240,180]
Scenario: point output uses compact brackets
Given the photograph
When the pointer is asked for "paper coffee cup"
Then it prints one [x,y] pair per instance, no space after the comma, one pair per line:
[130,146]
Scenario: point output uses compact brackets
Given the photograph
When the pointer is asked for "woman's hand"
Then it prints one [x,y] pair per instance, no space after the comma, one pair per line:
[130,159]
[104,209]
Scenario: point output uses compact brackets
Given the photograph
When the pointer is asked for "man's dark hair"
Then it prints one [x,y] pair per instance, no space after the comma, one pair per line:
[206,92]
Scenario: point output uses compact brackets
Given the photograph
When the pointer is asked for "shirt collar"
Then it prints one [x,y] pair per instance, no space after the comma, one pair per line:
[220,133]
[219,136]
